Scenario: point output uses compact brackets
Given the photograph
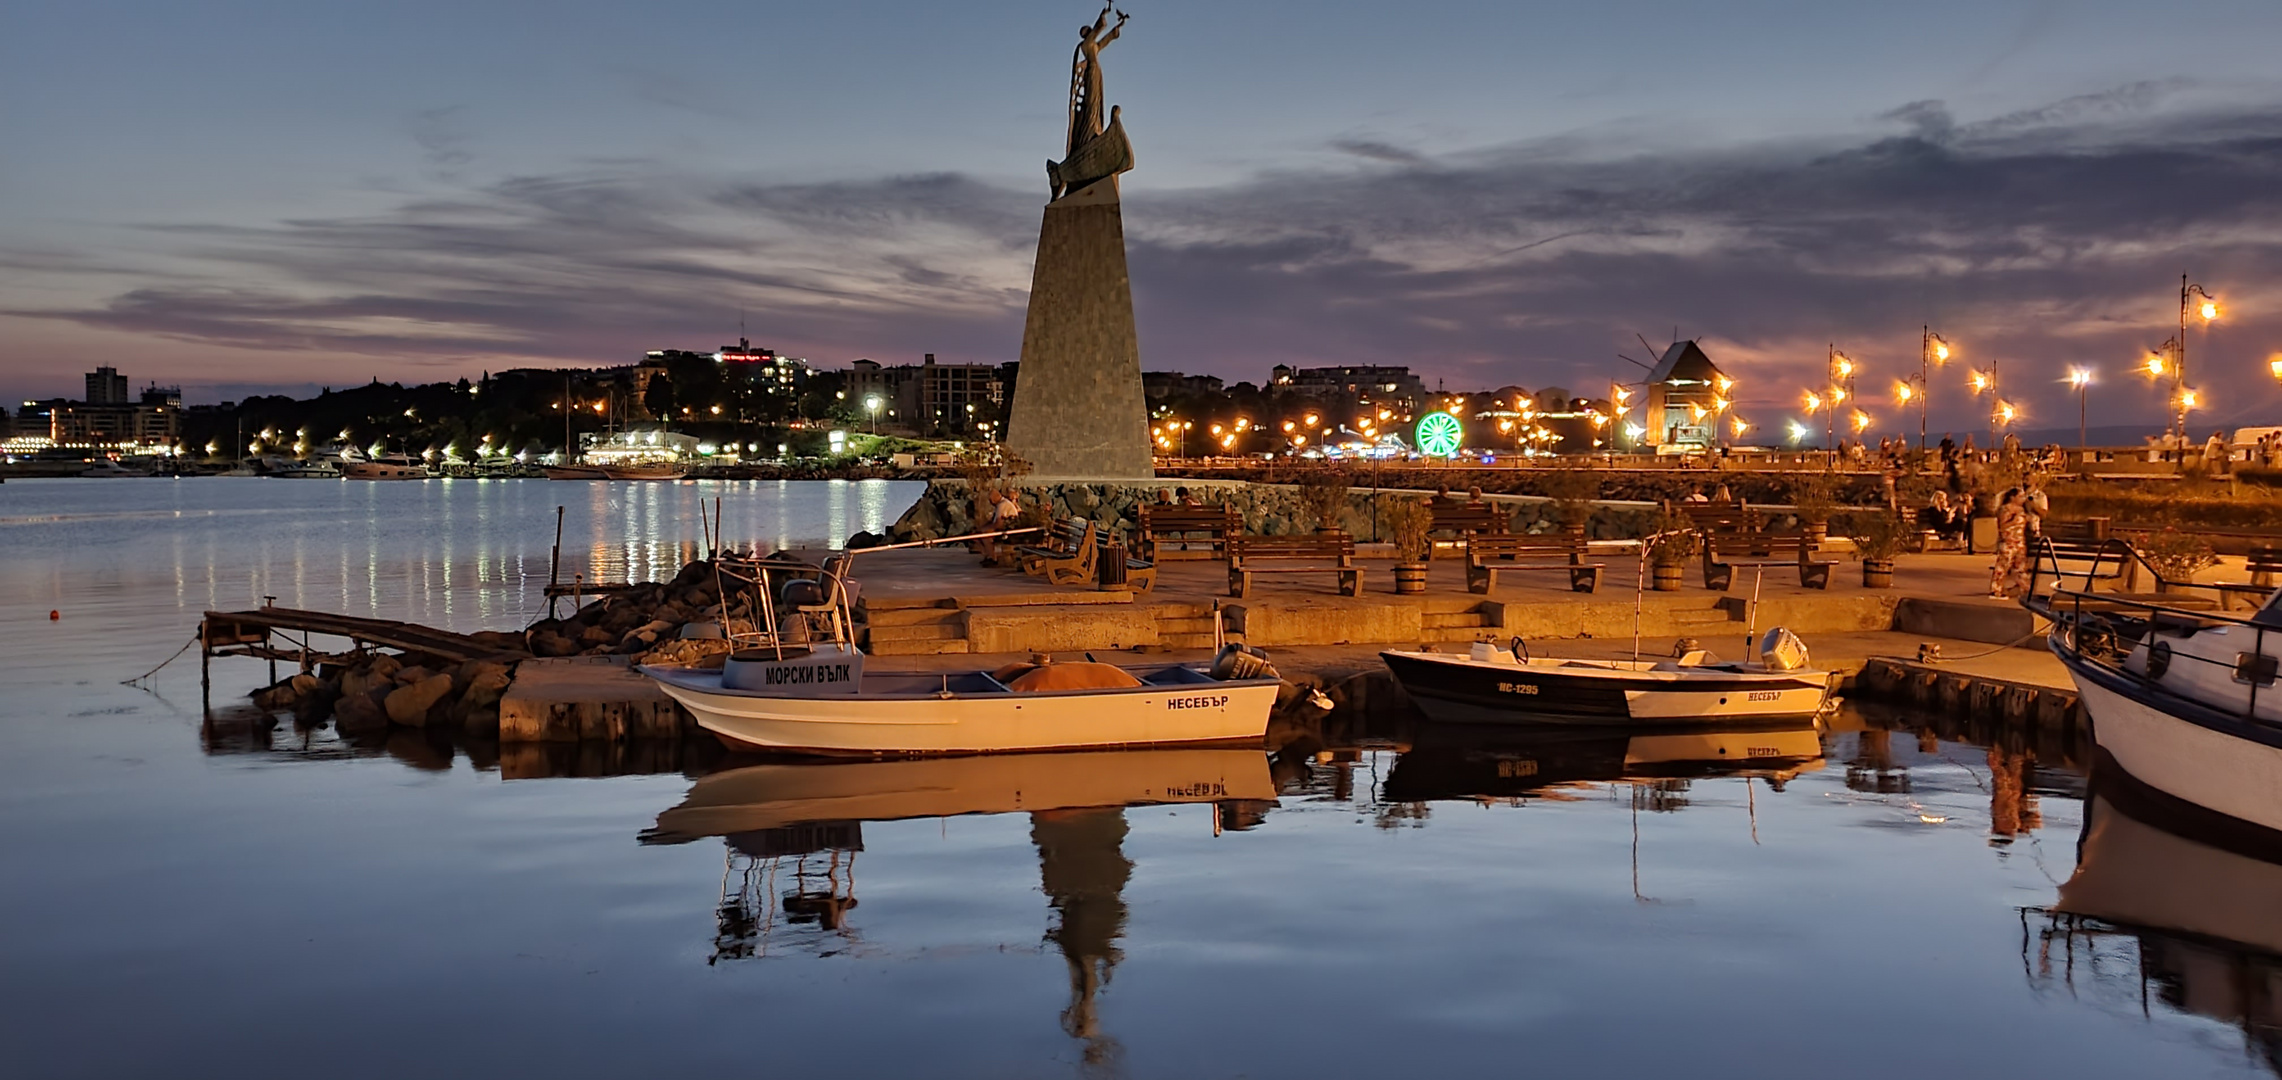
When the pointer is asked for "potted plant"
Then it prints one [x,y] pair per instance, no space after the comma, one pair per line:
[1878,537]
[1408,521]
[2176,557]
[1668,552]
[1814,496]
[1571,492]
[1324,494]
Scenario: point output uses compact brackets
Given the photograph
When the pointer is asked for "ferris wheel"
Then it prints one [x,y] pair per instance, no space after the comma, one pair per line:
[1439,434]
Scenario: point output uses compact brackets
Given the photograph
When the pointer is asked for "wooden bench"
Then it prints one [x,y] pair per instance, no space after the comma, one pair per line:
[1729,514]
[1308,553]
[1465,521]
[1488,556]
[1070,559]
[2265,566]
[1181,525]
[1727,549]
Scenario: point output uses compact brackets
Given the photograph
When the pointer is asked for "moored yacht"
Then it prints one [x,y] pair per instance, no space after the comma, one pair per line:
[2183,702]
[385,467]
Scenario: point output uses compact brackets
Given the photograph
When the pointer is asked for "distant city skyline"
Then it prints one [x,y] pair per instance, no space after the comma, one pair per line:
[240,199]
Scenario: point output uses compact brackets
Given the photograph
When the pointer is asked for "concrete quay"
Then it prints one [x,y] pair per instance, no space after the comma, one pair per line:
[939,609]
[938,601]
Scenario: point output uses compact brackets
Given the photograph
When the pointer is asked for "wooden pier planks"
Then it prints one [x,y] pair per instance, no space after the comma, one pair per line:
[225,628]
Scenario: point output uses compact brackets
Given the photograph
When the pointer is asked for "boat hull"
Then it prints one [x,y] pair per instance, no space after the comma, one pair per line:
[572,472]
[1453,689]
[373,470]
[644,472]
[1005,722]
[2183,750]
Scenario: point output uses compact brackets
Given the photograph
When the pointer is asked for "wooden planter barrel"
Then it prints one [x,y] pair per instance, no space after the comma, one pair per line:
[1877,573]
[1666,578]
[1410,577]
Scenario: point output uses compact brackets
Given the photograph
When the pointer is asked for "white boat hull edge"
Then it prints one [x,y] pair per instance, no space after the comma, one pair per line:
[2236,777]
[992,723]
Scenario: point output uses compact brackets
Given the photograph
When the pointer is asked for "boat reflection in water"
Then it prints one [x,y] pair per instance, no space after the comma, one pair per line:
[1450,761]
[794,829]
[2198,907]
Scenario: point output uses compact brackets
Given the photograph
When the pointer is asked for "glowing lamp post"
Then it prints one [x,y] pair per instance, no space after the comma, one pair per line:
[1933,350]
[2081,379]
[1838,384]
[2192,298]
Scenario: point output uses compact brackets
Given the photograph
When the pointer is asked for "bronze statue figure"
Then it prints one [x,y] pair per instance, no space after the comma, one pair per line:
[1095,151]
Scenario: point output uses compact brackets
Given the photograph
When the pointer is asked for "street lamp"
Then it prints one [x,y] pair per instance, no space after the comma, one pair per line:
[2193,298]
[2000,413]
[872,406]
[1933,349]
[2081,379]
[1838,380]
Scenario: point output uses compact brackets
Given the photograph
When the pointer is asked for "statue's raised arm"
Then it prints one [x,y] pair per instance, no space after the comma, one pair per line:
[1095,150]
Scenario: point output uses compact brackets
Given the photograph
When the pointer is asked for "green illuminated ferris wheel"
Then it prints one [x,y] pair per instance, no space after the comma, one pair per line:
[1439,434]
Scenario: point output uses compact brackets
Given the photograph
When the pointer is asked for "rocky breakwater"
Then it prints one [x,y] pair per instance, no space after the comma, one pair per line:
[371,691]
[947,508]
[636,620]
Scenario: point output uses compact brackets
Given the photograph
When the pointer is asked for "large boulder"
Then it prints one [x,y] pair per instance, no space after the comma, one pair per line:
[553,645]
[358,713]
[409,705]
[485,683]
[385,666]
[362,681]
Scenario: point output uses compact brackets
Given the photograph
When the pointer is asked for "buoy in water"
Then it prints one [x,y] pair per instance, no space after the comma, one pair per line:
[54,615]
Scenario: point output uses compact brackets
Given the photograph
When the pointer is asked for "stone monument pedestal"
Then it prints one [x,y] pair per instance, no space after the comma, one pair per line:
[1079,413]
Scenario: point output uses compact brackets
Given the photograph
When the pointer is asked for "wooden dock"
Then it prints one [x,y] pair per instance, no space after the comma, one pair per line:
[249,633]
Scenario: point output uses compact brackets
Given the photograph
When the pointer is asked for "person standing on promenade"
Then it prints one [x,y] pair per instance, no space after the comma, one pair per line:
[2010,570]
[2216,453]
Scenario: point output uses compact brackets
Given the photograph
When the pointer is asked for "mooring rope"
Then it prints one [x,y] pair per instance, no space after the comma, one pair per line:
[171,659]
[1969,656]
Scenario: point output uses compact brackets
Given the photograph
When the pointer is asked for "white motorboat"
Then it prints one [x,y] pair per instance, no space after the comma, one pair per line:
[107,469]
[785,794]
[795,682]
[1490,684]
[2182,701]
[388,467]
[308,470]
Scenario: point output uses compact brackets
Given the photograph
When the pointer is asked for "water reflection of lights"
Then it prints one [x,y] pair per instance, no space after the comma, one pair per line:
[463,554]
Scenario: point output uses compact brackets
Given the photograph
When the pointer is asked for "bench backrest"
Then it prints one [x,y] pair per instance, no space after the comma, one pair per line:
[1705,515]
[1747,541]
[1492,547]
[1299,546]
[1467,517]
[1188,518]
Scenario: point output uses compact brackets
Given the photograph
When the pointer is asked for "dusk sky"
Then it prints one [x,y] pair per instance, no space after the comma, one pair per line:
[260,196]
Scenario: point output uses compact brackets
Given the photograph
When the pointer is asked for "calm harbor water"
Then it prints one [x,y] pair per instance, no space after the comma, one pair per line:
[1372,899]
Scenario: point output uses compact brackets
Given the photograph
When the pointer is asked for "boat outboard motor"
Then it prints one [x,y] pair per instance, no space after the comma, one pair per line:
[1245,662]
[1242,662]
[1782,651]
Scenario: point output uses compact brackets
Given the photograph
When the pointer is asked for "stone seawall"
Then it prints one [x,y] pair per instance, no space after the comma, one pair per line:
[1267,509]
